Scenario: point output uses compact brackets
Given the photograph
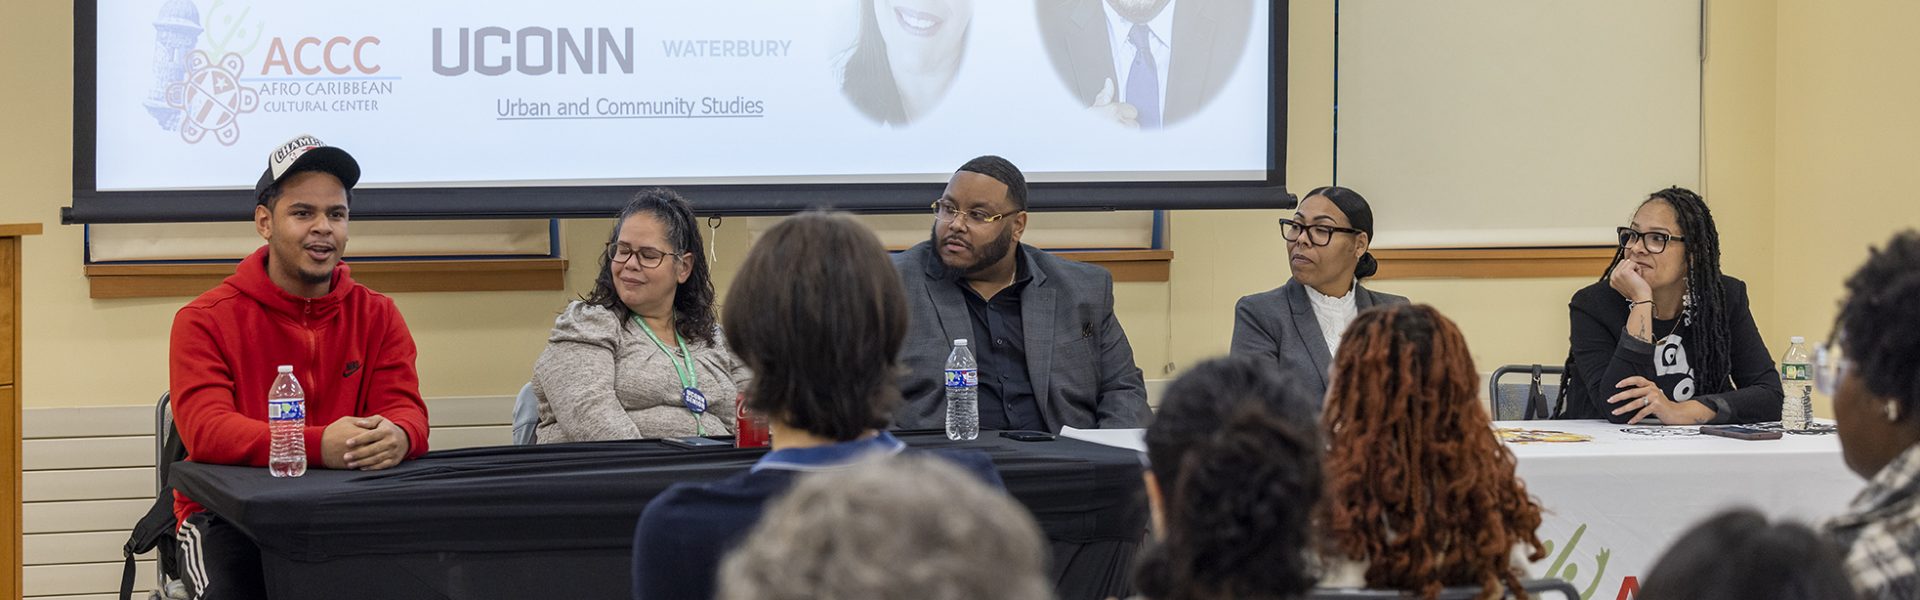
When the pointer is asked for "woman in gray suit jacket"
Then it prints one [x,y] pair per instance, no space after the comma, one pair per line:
[1297,326]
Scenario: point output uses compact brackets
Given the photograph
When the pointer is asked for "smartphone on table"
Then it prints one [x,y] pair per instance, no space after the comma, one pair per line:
[1739,433]
[695,442]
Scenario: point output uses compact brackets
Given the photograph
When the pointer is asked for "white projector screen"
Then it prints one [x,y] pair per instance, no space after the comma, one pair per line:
[1502,123]
[189,95]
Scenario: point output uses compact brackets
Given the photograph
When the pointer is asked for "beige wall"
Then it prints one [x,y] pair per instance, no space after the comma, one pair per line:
[1820,90]
[1847,144]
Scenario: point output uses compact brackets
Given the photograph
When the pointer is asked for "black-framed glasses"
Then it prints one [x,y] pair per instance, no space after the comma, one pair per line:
[649,257]
[1830,365]
[1655,241]
[1318,235]
[945,211]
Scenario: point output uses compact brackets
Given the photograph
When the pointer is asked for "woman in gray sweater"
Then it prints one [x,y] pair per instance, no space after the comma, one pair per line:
[641,356]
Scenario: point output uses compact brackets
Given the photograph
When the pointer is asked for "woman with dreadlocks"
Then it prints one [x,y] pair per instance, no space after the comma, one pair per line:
[1420,494]
[1664,334]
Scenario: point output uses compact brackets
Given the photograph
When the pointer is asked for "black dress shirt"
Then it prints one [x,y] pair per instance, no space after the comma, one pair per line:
[1000,348]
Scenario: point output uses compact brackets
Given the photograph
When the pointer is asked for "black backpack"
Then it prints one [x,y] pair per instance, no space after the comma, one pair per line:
[155,531]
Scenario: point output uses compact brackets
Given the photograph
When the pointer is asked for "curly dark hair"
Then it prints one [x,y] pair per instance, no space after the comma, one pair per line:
[1738,555]
[1710,338]
[1418,486]
[1237,451]
[1880,320]
[693,312]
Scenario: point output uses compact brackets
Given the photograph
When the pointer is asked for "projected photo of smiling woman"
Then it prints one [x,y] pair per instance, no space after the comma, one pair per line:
[904,57]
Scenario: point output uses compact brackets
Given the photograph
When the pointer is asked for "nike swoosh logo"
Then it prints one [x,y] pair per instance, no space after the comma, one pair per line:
[352,367]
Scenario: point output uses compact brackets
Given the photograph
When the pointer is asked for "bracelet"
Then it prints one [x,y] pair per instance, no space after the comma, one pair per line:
[1631,304]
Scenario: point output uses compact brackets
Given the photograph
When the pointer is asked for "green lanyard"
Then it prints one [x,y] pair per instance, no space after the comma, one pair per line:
[689,379]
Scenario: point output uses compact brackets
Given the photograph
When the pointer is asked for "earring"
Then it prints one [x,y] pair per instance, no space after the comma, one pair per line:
[1686,309]
[1893,411]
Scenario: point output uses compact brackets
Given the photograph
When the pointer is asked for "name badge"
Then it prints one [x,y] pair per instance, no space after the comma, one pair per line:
[695,401]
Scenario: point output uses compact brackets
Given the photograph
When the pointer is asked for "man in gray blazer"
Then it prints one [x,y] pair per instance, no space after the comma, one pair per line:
[1050,352]
[1280,325]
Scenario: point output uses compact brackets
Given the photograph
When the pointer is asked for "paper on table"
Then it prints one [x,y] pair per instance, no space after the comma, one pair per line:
[1131,439]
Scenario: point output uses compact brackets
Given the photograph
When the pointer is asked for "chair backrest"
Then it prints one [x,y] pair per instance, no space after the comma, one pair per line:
[155,530]
[1546,589]
[526,417]
[1528,400]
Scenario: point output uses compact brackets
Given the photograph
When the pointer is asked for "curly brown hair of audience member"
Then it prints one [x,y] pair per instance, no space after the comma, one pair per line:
[891,528]
[1418,485]
[1235,452]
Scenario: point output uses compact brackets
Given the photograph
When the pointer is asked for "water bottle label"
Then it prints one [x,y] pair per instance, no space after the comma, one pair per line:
[1794,371]
[286,410]
[963,378]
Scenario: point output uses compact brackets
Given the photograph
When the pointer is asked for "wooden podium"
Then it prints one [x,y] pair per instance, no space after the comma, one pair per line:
[10,525]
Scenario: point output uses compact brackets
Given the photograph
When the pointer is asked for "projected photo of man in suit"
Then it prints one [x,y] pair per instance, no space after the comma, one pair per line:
[904,57]
[1145,63]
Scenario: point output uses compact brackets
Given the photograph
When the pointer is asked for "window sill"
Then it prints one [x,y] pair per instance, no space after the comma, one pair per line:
[1492,263]
[467,275]
[1128,265]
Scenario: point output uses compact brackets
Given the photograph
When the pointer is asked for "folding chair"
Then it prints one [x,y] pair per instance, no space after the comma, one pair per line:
[1523,401]
[526,417]
[155,531]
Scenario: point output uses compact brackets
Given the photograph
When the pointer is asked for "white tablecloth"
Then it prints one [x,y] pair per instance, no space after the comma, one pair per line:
[1616,503]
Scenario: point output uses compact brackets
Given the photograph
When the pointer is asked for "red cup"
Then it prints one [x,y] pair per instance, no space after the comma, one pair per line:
[750,426]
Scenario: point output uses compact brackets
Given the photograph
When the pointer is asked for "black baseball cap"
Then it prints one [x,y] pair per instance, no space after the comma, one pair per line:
[307,152]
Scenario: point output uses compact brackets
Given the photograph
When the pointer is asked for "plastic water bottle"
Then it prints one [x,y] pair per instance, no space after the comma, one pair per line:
[963,393]
[1796,383]
[287,419]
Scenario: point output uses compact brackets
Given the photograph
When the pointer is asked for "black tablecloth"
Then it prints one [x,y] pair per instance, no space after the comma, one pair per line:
[557,520]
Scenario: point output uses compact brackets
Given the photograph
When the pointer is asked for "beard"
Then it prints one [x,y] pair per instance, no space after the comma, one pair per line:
[989,255]
[1138,11]
[316,277]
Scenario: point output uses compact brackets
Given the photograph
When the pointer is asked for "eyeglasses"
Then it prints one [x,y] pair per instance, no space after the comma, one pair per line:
[945,211]
[1318,235]
[1656,242]
[649,257]
[1830,365]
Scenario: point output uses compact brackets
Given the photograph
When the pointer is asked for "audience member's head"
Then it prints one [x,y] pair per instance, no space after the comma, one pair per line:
[1875,386]
[652,265]
[901,527]
[1738,555]
[818,314]
[1235,473]
[1418,486]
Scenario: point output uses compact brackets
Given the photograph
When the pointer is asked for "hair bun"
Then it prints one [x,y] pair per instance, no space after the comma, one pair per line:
[1367,267]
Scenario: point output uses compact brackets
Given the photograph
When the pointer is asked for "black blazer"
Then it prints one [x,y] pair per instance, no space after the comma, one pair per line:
[1602,355]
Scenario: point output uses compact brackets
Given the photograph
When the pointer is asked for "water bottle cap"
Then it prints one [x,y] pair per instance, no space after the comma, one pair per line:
[286,368]
[1798,340]
[961,343]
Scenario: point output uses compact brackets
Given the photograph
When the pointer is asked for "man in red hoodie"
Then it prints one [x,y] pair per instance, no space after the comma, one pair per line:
[290,303]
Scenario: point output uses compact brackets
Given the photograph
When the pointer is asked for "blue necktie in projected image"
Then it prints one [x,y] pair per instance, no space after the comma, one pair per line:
[1143,78]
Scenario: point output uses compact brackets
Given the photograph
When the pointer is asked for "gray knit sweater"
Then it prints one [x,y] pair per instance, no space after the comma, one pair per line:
[600,381]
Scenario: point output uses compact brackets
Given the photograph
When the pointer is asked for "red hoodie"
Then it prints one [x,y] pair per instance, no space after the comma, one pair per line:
[350,350]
